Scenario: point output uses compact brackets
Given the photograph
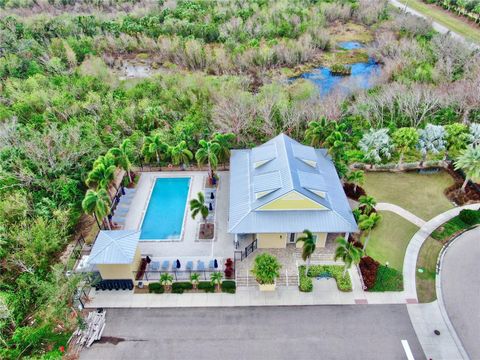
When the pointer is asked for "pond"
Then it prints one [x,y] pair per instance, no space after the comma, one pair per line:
[361,77]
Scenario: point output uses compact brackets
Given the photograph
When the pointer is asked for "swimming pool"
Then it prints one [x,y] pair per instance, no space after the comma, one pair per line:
[165,213]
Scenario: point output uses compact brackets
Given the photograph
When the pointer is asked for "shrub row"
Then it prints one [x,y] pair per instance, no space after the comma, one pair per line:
[156,288]
[335,271]
[180,287]
[228,286]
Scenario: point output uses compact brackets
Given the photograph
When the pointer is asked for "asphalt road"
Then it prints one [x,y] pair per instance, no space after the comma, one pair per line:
[461,289]
[300,332]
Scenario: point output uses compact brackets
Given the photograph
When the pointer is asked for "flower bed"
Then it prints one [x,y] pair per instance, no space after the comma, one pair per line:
[334,271]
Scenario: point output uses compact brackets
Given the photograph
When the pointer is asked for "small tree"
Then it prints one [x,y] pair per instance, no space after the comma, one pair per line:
[166,280]
[367,204]
[266,268]
[216,279]
[349,253]
[469,163]
[195,279]
[309,244]
[431,140]
[356,178]
[197,206]
[405,139]
[367,223]
[376,145]
[456,138]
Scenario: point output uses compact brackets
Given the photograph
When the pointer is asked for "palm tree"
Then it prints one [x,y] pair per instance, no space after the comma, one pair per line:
[180,154]
[469,163]
[153,145]
[106,160]
[405,139]
[216,279]
[308,248]
[122,156]
[356,178]
[367,204]
[97,203]
[195,279]
[349,253]
[225,142]
[317,132]
[208,153]
[198,206]
[367,223]
[166,280]
[101,176]
[431,140]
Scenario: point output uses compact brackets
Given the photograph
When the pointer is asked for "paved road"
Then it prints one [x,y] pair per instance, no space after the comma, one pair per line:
[461,289]
[301,332]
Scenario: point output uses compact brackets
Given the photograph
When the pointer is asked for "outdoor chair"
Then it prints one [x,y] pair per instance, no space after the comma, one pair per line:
[200,265]
[189,265]
[211,264]
[165,264]
[154,266]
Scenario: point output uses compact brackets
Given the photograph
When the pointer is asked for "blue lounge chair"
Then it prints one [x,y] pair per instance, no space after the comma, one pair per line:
[154,266]
[211,264]
[200,266]
[189,265]
[165,264]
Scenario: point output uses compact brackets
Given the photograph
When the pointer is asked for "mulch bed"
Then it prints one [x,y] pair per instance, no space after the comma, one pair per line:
[456,195]
[351,193]
[206,231]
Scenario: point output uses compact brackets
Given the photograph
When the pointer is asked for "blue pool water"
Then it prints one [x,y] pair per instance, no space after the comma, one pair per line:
[166,209]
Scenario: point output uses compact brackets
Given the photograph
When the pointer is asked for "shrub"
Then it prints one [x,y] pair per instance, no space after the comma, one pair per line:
[388,279]
[156,288]
[180,287]
[206,286]
[306,284]
[266,268]
[229,286]
[335,271]
[369,268]
[470,217]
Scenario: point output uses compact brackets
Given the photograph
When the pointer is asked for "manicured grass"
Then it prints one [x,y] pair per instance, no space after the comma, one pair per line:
[421,194]
[449,228]
[470,32]
[427,261]
[390,238]
[388,279]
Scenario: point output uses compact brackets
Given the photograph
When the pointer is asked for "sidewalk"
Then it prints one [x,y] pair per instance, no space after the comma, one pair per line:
[407,215]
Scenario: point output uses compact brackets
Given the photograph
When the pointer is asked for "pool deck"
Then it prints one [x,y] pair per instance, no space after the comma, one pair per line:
[188,246]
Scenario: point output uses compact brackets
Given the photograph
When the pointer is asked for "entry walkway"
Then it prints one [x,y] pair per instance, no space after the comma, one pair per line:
[407,215]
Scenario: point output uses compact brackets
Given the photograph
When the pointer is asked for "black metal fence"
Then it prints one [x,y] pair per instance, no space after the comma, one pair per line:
[240,255]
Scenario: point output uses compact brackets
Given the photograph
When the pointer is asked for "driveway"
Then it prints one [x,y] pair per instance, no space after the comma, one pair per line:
[301,332]
[461,289]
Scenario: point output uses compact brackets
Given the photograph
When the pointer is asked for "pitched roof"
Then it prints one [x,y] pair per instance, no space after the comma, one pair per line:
[114,247]
[290,166]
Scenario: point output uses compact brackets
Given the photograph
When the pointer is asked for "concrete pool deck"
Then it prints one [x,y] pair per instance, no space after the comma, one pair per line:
[188,245]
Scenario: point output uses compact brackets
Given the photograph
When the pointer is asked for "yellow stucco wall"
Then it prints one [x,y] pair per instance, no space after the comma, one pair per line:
[292,201]
[321,239]
[269,241]
[120,271]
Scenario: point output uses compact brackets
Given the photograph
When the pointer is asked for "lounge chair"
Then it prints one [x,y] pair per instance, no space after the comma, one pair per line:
[189,265]
[200,265]
[211,264]
[165,264]
[154,266]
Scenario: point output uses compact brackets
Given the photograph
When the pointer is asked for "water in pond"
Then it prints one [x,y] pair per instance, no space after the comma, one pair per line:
[350,45]
[361,77]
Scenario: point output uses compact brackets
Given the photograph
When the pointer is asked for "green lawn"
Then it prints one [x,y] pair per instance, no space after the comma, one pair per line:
[421,194]
[470,32]
[427,261]
[389,240]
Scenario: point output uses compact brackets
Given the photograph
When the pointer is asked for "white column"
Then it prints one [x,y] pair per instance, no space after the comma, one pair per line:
[347,234]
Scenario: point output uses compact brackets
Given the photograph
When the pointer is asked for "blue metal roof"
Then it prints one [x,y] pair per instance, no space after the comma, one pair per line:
[292,174]
[114,247]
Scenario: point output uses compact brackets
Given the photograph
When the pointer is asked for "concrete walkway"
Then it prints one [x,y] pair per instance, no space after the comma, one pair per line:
[429,317]
[407,215]
[436,26]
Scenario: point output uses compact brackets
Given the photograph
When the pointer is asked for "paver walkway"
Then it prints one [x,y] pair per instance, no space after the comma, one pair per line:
[407,215]
[429,317]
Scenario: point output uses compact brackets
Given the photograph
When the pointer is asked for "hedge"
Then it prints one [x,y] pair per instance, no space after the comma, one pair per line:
[181,286]
[470,217]
[156,288]
[206,286]
[229,286]
[335,271]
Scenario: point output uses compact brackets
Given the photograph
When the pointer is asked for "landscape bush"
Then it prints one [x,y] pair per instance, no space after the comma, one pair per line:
[229,286]
[469,217]
[369,268]
[156,288]
[181,286]
[334,271]
[206,286]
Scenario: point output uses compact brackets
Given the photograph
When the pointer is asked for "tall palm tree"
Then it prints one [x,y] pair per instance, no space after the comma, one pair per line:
[309,245]
[208,153]
[197,206]
[367,223]
[225,142]
[122,156]
[153,145]
[101,176]
[356,178]
[97,203]
[367,204]
[180,154]
[106,160]
[349,253]
[469,163]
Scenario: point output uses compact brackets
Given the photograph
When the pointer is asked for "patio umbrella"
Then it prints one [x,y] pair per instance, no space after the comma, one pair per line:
[215,264]
[212,196]
[178,264]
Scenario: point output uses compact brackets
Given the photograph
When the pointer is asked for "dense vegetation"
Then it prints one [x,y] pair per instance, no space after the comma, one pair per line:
[468,8]
[221,69]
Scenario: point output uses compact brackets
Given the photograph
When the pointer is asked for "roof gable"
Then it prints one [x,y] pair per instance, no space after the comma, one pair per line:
[292,201]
